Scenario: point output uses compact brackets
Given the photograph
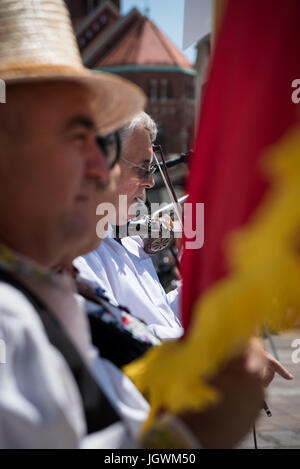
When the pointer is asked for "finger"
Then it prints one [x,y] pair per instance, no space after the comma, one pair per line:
[283,372]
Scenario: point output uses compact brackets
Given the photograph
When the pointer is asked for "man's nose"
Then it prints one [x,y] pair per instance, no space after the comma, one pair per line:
[148,183]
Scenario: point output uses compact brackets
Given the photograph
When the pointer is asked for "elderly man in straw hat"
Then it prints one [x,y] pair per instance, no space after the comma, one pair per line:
[52,171]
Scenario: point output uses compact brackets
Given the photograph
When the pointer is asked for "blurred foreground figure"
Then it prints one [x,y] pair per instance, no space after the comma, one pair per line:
[53,174]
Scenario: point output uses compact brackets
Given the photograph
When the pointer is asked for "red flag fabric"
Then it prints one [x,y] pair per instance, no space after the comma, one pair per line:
[248,106]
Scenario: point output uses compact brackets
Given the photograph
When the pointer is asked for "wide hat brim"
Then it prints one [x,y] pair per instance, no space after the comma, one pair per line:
[118,99]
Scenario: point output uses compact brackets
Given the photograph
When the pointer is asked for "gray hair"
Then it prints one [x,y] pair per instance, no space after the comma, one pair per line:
[143,120]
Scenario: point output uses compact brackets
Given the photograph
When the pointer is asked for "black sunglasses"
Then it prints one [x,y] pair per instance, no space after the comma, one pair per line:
[110,145]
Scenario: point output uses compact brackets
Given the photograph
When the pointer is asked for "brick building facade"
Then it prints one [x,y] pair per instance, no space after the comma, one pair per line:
[133,47]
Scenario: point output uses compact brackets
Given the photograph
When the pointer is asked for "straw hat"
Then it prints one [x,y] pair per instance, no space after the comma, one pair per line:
[37,43]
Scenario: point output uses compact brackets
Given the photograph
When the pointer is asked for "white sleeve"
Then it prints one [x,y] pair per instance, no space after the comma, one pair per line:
[123,395]
[165,332]
[114,437]
[40,406]
[96,273]
[174,299]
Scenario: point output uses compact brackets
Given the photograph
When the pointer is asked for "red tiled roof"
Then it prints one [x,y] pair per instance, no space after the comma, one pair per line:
[144,44]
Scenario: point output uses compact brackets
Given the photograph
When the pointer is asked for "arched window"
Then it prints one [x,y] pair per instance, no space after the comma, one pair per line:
[89,35]
[190,90]
[163,92]
[96,27]
[153,90]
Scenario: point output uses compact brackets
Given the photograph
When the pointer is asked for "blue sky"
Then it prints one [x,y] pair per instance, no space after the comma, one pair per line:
[167,15]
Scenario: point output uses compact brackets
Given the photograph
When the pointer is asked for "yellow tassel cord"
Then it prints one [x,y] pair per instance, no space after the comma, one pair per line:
[263,288]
